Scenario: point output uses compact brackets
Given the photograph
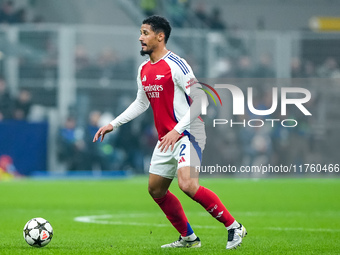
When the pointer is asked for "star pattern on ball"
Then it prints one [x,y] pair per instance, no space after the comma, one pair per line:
[37,241]
[27,231]
[41,226]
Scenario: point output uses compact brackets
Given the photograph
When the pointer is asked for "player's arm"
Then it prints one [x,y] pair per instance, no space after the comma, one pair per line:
[197,95]
[190,85]
[140,105]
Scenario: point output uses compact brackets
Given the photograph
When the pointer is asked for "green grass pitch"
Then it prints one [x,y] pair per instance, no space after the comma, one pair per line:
[282,216]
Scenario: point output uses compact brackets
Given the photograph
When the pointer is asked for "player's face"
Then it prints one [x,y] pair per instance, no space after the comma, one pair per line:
[148,39]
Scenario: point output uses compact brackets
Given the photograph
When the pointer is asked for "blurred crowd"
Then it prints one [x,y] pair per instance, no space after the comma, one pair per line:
[10,13]
[17,107]
[182,13]
[103,66]
[305,68]
[128,147]
[244,66]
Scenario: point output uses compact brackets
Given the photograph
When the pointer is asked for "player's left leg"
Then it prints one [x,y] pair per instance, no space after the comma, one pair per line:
[188,183]
[162,170]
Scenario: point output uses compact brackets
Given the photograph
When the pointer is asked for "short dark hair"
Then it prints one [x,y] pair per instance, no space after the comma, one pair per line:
[159,24]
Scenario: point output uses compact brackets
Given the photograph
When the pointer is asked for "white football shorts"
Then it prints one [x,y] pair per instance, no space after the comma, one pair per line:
[185,153]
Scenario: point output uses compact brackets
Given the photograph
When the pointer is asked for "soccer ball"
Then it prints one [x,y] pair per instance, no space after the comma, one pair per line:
[38,232]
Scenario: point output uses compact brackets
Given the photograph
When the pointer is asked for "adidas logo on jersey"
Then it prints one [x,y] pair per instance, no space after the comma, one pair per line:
[144,78]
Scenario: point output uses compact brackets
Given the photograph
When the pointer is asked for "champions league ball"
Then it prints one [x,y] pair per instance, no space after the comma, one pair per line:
[38,232]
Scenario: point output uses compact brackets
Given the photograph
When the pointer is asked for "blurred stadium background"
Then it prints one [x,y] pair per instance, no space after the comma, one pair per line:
[68,67]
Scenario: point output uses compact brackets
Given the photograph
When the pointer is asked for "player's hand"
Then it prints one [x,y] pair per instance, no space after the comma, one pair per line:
[169,140]
[102,132]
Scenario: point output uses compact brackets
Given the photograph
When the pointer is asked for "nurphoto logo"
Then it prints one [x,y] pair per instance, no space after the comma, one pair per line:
[238,105]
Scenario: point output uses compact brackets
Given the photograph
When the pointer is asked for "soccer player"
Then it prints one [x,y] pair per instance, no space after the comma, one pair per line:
[167,82]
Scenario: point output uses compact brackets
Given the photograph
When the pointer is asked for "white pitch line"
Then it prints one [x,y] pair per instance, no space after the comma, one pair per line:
[102,219]
[304,229]
[97,219]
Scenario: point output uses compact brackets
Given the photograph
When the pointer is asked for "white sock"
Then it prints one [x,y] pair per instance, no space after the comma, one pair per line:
[235,224]
[191,237]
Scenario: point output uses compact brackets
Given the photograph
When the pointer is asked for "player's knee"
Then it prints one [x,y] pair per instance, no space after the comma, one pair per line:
[156,192]
[189,187]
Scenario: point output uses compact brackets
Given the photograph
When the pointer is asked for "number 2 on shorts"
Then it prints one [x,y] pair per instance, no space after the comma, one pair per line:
[183,146]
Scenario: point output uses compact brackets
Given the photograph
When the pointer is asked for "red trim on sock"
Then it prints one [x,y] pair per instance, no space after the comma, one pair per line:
[173,210]
[211,202]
